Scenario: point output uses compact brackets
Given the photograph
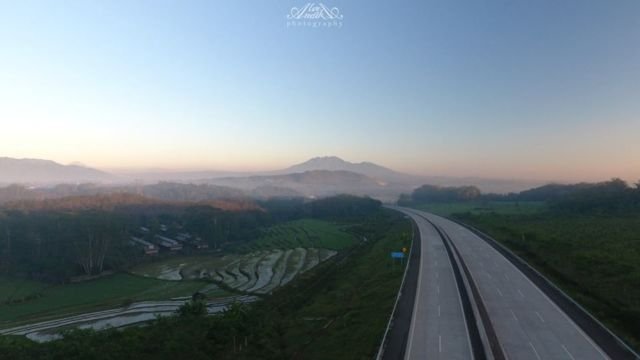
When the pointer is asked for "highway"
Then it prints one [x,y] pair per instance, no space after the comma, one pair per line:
[438,327]
[528,325]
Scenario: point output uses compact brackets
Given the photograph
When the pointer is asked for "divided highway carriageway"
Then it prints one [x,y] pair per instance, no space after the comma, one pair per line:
[476,300]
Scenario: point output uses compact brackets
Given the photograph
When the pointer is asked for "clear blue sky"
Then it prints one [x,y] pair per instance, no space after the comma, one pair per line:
[524,89]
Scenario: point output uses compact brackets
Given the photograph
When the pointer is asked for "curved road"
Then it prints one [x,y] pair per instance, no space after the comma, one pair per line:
[527,323]
[438,329]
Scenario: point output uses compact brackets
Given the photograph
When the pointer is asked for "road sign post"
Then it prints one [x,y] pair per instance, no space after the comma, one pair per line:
[398,255]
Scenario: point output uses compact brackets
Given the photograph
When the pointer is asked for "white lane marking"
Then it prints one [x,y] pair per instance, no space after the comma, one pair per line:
[568,353]
[437,273]
[506,276]
[499,292]
[489,275]
[539,316]
[438,310]
[457,290]
[417,297]
[514,315]
[466,325]
[438,289]
[534,350]
[517,271]
[440,343]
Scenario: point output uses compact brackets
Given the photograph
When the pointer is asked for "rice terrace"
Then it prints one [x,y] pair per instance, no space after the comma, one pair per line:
[263,265]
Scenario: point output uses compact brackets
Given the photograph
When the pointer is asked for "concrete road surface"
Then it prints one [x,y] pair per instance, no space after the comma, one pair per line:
[438,329]
[528,324]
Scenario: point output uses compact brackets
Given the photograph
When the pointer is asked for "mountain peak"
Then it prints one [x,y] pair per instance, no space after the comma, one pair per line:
[325,160]
[334,163]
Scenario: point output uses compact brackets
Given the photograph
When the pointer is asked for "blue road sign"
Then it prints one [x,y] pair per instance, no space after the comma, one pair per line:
[397,255]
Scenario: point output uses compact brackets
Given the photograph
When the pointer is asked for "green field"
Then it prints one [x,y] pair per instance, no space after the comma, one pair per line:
[16,290]
[305,233]
[484,207]
[111,291]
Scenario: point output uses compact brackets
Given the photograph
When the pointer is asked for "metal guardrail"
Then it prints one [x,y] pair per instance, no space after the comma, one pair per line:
[494,348]
[613,345]
[395,305]
[471,300]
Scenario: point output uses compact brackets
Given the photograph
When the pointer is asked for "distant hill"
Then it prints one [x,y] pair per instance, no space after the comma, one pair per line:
[404,181]
[334,163]
[319,176]
[314,183]
[37,171]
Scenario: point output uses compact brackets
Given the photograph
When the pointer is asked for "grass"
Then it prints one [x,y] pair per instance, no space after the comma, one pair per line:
[484,207]
[17,290]
[306,233]
[340,309]
[107,292]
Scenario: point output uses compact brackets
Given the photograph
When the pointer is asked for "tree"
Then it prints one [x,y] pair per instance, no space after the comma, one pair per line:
[92,252]
[193,308]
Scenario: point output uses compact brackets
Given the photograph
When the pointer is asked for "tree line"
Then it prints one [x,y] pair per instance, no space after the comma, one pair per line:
[434,193]
[614,195]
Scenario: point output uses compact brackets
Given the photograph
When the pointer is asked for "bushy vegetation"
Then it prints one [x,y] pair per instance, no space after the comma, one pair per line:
[343,207]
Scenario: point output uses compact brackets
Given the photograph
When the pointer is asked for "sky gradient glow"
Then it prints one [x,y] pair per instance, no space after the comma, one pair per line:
[543,89]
